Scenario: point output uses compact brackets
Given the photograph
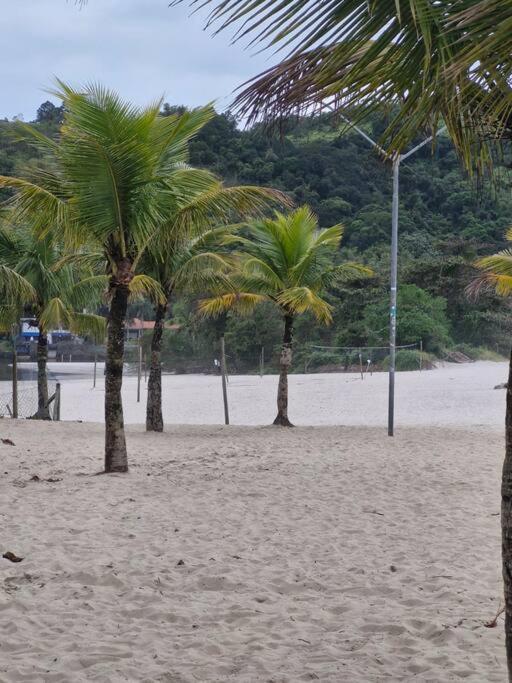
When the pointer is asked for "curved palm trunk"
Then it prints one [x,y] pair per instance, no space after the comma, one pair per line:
[506,523]
[43,410]
[154,419]
[284,362]
[116,457]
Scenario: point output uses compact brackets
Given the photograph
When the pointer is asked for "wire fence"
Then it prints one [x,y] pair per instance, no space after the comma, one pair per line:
[19,398]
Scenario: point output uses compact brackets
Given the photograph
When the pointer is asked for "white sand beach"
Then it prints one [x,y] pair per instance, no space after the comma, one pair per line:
[459,395]
[254,553]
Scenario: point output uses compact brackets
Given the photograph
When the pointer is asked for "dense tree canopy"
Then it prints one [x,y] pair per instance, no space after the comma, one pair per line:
[445,222]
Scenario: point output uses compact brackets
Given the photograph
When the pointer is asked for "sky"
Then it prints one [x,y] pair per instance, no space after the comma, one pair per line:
[144,49]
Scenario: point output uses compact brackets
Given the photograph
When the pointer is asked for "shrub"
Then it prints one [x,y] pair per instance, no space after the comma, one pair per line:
[406,359]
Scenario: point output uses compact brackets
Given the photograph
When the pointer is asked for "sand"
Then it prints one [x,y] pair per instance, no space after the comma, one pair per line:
[452,395]
[249,554]
[325,553]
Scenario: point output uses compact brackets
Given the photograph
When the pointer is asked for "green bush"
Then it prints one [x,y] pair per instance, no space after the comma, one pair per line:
[320,358]
[406,359]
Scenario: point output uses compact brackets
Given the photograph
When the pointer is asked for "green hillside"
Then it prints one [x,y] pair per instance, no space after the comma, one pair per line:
[444,223]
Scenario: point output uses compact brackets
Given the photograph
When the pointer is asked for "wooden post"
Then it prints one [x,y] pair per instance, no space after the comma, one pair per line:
[224,383]
[56,407]
[139,368]
[94,375]
[421,355]
[14,382]
[262,361]
[361,364]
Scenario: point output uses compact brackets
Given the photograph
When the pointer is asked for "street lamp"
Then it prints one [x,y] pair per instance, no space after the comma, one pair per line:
[396,160]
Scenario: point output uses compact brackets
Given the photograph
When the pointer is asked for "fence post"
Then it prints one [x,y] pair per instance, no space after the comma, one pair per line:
[139,368]
[421,355]
[14,383]
[94,376]
[262,361]
[223,373]
[361,364]
[56,407]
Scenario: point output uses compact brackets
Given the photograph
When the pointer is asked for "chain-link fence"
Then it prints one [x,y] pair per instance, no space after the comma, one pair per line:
[20,398]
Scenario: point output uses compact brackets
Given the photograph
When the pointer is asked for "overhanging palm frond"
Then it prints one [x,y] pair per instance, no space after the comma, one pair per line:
[448,60]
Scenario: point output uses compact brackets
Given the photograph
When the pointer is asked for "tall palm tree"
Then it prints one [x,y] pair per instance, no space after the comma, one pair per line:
[113,178]
[59,296]
[190,265]
[288,261]
[114,174]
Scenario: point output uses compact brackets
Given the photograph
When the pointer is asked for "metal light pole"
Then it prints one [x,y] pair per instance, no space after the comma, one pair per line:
[396,159]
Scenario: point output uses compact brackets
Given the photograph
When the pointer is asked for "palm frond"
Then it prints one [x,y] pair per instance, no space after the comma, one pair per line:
[299,300]
[144,286]
[242,303]
[88,324]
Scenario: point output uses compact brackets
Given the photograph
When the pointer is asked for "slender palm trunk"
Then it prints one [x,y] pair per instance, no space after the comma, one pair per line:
[284,363]
[154,419]
[506,523]
[43,410]
[116,458]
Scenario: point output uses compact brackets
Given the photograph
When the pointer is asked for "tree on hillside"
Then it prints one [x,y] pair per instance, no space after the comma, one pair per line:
[288,261]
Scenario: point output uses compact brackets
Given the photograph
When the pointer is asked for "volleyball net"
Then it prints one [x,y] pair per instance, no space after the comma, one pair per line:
[363,360]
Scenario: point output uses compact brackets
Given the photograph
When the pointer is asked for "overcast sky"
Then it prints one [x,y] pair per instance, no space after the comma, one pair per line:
[142,48]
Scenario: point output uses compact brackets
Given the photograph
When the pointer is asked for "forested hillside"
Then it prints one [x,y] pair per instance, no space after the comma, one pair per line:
[444,223]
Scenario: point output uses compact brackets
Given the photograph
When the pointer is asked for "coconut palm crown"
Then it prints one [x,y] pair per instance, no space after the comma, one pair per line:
[288,261]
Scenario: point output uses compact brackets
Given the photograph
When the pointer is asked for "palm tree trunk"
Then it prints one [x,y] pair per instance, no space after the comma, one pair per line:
[43,410]
[116,457]
[284,363]
[506,523]
[154,419]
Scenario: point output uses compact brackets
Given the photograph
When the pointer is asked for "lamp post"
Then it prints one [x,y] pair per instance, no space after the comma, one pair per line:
[396,160]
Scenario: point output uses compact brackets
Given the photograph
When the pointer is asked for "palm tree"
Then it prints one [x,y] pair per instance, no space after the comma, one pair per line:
[58,297]
[186,258]
[183,267]
[112,180]
[113,176]
[289,262]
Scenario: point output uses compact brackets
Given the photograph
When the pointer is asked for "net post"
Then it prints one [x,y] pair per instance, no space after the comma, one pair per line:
[224,378]
[421,355]
[139,367]
[14,382]
[56,406]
